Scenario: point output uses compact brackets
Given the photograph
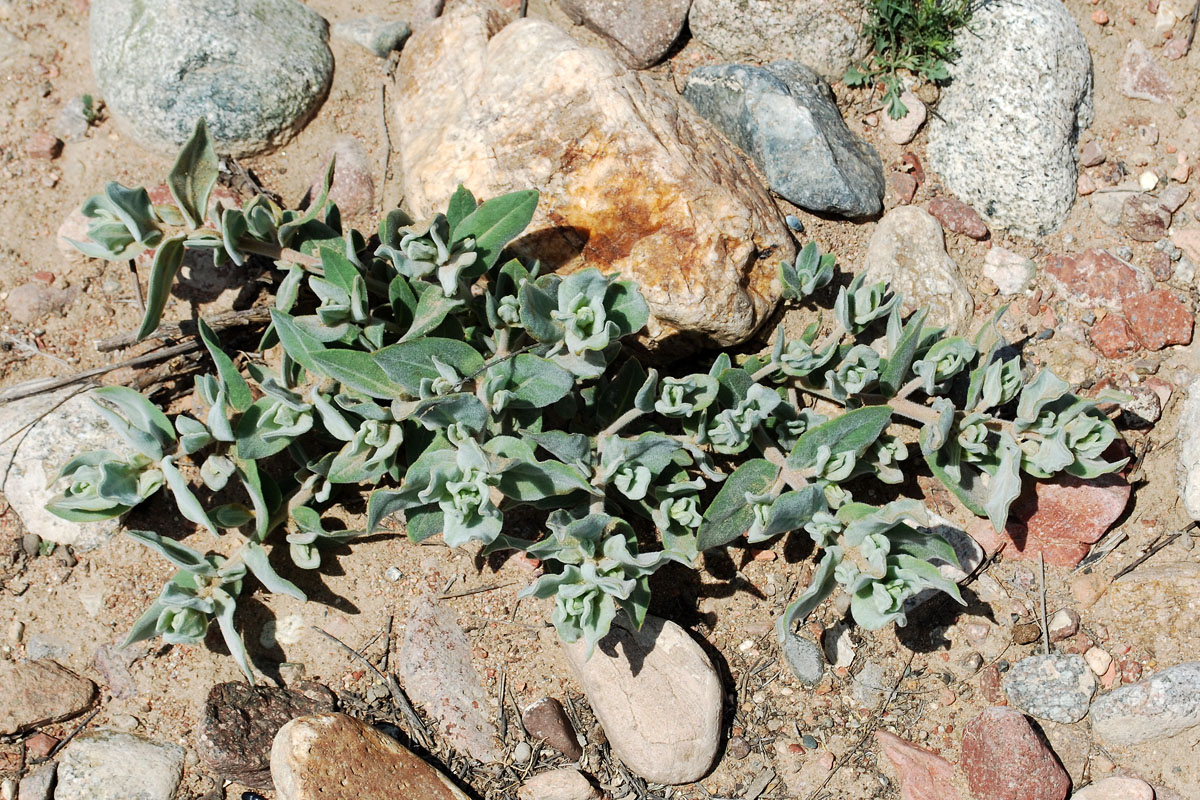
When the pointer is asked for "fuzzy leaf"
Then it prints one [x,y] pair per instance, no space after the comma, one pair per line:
[853,431]
[257,562]
[497,222]
[1005,483]
[431,310]
[140,422]
[462,203]
[359,371]
[178,554]
[408,363]
[167,261]
[900,359]
[237,390]
[819,587]
[729,515]
[194,175]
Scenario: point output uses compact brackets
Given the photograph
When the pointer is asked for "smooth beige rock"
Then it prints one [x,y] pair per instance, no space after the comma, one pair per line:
[632,180]
[1165,600]
[38,693]
[559,784]
[908,249]
[337,757]
[657,697]
[1116,788]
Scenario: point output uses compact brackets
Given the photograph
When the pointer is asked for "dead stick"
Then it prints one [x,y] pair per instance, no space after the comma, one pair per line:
[476,590]
[43,385]
[1045,628]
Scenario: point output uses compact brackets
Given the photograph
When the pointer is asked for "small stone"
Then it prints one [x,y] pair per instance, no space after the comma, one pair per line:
[38,693]
[641,32]
[1143,410]
[558,784]
[1175,49]
[1026,633]
[805,659]
[521,754]
[1091,155]
[1085,185]
[546,719]
[1063,624]
[1116,788]
[870,685]
[1095,277]
[393,574]
[39,783]
[662,718]
[291,672]
[107,765]
[1143,219]
[1181,172]
[1087,588]
[374,34]
[1100,16]
[1162,705]
[1113,337]
[1142,78]
[1160,319]
[902,187]
[904,130]
[40,745]
[30,302]
[1057,688]
[1148,181]
[1003,758]
[337,757]
[353,188]
[240,722]
[737,748]
[1189,451]
[1173,197]
[439,675]
[1012,273]
[921,774]
[959,217]
[1161,266]
[1147,135]
[1098,660]
[42,145]
[72,122]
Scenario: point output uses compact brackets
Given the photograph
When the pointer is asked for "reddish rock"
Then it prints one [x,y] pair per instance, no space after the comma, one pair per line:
[1143,219]
[913,163]
[1161,266]
[957,216]
[902,187]
[992,686]
[30,302]
[1091,155]
[546,720]
[1142,78]
[1095,277]
[1004,759]
[1100,16]
[43,145]
[40,744]
[1175,49]
[1113,337]
[40,692]
[921,774]
[1159,319]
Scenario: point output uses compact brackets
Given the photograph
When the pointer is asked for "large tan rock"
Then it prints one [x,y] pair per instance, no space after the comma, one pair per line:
[632,180]
[657,697]
[337,757]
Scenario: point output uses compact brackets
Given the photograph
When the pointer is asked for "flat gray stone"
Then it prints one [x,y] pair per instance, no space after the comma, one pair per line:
[374,34]
[1006,128]
[32,458]
[107,765]
[805,659]
[908,250]
[38,784]
[256,70]
[824,34]
[1054,687]
[640,31]
[785,118]
[1166,703]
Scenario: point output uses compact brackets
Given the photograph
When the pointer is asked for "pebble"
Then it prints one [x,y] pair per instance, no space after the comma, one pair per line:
[39,745]
[44,146]
[1052,687]
[558,784]
[266,67]
[1160,319]
[1098,660]
[239,722]
[1091,155]
[921,774]
[784,117]
[959,217]
[1143,219]
[1003,758]
[1142,78]
[31,302]
[375,34]
[805,659]
[1172,198]
[640,32]
[353,187]
[1095,277]
[521,754]
[902,186]
[904,130]
[737,747]
[1085,186]
[662,718]
[37,693]
[1148,181]
[1100,16]
[337,757]
[39,783]
[108,765]
[1012,273]
[1162,705]
[1116,788]
[546,719]
[1063,624]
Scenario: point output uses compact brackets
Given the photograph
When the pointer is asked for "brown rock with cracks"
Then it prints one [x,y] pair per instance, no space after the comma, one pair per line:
[37,693]
[1143,218]
[1004,759]
[631,180]
[439,676]
[640,31]
[1113,337]
[921,774]
[239,724]
[546,719]
[1095,277]
[336,757]
[957,216]
[1160,319]
[657,696]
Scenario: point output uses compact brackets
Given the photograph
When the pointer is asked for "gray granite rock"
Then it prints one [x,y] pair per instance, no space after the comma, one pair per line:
[640,31]
[1054,687]
[256,70]
[824,34]
[784,117]
[375,34]
[1166,703]
[805,659]
[908,249]
[1189,450]
[1005,133]
[39,783]
[118,766]
[31,457]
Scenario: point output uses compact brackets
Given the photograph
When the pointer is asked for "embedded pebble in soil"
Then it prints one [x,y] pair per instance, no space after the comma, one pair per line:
[1053,687]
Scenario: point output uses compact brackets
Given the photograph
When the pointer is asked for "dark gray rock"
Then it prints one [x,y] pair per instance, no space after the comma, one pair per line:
[1055,687]
[379,36]
[640,31]
[118,766]
[1162,705]
[805,659]
[784,117]
[256,70]
[1005,132]
[240,723]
